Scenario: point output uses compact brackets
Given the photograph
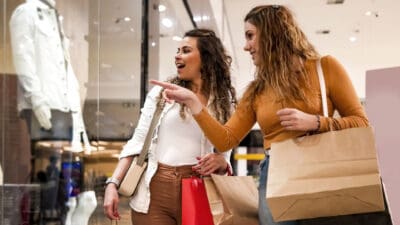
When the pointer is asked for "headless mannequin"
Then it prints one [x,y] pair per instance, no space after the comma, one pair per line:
[87,203]
[71,208]
[48,95]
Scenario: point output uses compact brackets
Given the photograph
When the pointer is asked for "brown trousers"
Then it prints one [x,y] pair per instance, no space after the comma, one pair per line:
[166,197]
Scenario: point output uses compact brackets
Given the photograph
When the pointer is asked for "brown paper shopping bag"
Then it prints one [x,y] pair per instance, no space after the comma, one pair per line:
[329,174]
[233,199]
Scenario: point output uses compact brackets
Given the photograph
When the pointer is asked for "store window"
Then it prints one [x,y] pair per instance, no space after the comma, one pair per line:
[71,84]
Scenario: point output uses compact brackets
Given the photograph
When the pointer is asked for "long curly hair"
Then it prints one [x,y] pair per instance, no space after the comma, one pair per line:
[283,49]
[215,74]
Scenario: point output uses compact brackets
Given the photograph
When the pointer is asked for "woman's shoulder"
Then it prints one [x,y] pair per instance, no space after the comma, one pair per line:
[329,61]
[154,91]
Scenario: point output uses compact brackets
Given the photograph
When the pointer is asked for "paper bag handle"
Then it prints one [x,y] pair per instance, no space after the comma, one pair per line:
[323,88]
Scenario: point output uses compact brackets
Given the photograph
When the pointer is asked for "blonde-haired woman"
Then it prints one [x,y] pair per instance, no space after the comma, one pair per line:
[284,98]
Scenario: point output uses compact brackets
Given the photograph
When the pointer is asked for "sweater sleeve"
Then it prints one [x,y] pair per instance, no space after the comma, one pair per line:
[343,96]
[225,137]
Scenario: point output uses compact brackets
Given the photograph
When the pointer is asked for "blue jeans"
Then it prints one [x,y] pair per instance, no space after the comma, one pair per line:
[264,214]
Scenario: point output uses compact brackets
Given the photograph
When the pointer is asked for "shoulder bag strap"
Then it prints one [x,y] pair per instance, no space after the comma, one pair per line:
[145,149]
[323,88]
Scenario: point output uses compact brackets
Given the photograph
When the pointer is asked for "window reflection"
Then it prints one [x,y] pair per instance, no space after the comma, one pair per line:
[73,97]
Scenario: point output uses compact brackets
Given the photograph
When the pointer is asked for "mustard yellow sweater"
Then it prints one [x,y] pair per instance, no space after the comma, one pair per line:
[340,96]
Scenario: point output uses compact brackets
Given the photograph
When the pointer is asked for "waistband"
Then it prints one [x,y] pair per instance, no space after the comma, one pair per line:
[178,169]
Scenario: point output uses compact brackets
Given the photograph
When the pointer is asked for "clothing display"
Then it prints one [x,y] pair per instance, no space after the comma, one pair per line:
[86,204]
[42,62]
[71,208]
[173,134]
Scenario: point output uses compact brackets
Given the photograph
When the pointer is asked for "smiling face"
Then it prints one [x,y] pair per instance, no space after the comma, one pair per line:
[188,60]
[251,35]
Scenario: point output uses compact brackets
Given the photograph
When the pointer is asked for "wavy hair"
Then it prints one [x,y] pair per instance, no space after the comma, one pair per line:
[215,74]
[283,49]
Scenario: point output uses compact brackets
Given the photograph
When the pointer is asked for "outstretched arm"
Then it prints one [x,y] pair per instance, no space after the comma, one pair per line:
[223,137]
[174,92]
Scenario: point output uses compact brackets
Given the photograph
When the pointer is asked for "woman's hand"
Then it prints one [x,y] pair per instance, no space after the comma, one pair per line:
[180,94]
[296,120]
[211,163]
[111,200]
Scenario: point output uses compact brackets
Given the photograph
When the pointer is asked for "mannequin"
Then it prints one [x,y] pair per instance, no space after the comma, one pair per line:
[48,94]
[71,208]
[87,203]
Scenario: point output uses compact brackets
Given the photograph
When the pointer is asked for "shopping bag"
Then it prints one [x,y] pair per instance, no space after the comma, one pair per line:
[233,199]
[195,207]
[329,174]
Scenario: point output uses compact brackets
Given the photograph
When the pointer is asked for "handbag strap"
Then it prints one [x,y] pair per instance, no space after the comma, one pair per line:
[322,87]
[145,149]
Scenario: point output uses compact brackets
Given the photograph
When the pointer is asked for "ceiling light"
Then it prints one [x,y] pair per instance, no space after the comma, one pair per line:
[323,31]
[197,18]
[153,44]
[205,18]
[176,38]
[161,8]
[335,2]
[370,13]
[167,22]
[353,39]
[127,19]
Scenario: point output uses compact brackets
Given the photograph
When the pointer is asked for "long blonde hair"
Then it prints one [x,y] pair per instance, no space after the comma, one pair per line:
[283,49]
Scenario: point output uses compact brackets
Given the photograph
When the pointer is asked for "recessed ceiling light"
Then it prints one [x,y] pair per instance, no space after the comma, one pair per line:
[205,18]
[335,1]
[353,39]
[167,22]
[176,38]
[161,8]
[323,31]
[368,13]
[197,18]
[127,18]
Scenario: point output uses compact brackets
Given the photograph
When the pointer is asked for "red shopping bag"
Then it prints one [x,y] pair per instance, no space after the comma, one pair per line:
[195,207]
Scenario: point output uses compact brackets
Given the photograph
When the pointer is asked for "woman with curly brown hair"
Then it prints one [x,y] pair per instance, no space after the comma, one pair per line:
[179,148]
[284,98]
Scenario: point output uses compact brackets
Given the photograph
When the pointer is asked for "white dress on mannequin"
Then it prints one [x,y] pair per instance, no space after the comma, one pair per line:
[87,203]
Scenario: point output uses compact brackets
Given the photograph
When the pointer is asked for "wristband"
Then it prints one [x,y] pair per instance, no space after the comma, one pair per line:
[113,180]
[318,122]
